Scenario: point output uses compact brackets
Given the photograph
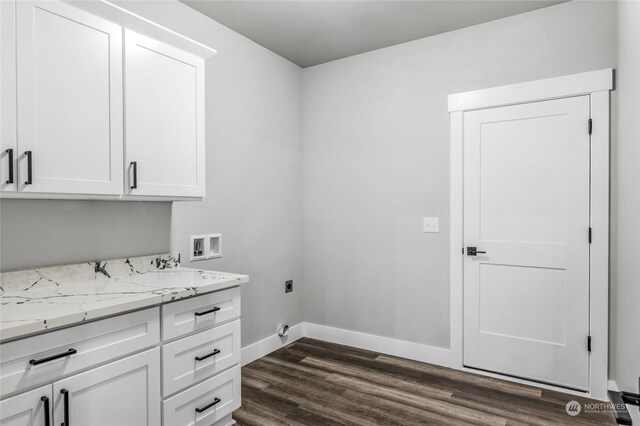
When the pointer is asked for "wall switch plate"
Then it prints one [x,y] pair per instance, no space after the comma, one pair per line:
[207,246]
[431,224]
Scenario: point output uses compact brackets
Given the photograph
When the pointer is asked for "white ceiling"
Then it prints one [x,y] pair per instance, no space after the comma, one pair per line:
[311,32]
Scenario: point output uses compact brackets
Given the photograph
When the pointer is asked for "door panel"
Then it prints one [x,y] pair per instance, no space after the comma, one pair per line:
[26,409]
[124,393]
[165,118]
[526,204]
[69,99]
[8,140]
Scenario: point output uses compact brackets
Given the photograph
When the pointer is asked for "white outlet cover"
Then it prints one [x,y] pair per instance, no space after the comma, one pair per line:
[431,224]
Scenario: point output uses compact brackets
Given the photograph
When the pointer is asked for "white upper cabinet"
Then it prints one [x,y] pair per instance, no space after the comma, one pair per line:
[164,133]
[71,75]
[8,141]
[69,100]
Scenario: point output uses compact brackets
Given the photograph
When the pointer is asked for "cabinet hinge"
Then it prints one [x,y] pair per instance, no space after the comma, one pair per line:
[590,235]
[589,343]
[590,126]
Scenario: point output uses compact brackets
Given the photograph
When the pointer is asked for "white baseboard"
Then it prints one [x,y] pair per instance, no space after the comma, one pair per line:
[386,345]
[269,344]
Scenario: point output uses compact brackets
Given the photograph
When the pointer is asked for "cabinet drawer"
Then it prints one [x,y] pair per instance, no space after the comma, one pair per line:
[183,408]
[200,312]
[181,366]
[93,344]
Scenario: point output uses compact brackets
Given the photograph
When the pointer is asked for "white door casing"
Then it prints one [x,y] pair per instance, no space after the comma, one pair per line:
[526,198]
[69,106]
[164,125]
[596,85]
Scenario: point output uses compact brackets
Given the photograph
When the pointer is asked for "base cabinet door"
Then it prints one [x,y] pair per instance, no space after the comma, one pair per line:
[31,408]
[123,393]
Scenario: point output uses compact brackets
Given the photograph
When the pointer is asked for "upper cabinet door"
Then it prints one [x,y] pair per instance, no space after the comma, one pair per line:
[8,141]
[69,97]
[164,126]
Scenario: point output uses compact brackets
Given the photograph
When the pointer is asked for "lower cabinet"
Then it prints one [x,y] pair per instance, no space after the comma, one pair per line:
[109,372]
[31,408]
[123,393]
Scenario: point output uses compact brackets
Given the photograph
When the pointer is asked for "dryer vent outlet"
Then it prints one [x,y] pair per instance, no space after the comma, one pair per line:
[283,330]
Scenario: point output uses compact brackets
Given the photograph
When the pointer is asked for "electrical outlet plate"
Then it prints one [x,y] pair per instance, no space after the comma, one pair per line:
[205,246]
[431,225]
[288,286]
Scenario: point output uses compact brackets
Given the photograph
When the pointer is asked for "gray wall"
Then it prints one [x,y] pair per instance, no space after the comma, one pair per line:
[254,168]
[54,232]
[376,153]
[625,206]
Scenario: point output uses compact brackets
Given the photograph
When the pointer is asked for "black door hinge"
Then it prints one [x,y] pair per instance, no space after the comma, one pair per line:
[589,343]
[590,126]
[590,235]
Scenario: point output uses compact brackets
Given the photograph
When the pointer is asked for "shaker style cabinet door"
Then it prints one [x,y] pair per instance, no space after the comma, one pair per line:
[164,122]
[123,393]
[31,408]
[8,141]
[69,100]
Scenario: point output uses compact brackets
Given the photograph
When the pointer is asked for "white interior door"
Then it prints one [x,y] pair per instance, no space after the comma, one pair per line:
[164,119]
[123,393]
[526,204]
[69,100]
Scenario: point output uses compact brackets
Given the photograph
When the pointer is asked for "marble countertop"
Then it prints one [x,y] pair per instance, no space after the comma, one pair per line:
[42,299]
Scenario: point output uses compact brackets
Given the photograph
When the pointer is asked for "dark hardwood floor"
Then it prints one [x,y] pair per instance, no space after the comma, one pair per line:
[310,382]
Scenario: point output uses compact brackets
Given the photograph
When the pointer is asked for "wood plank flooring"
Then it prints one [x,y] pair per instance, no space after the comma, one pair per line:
[311,382]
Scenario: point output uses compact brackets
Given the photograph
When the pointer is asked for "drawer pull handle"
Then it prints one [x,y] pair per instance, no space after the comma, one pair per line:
[215,352]
[45,403]
[210,311]
[10,156]
[52,357]
[206,407]
[65,394]
[29,156]
[134,166]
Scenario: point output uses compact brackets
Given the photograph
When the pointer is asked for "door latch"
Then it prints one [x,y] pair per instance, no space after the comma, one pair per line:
[473,251]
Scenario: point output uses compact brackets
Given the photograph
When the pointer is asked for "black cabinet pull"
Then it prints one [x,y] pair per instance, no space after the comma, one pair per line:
[29,155]
[45,402]
[215,352]
[10,155]
[65,394]
[206,407]
[210,311]
[52,357]
[134,166]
